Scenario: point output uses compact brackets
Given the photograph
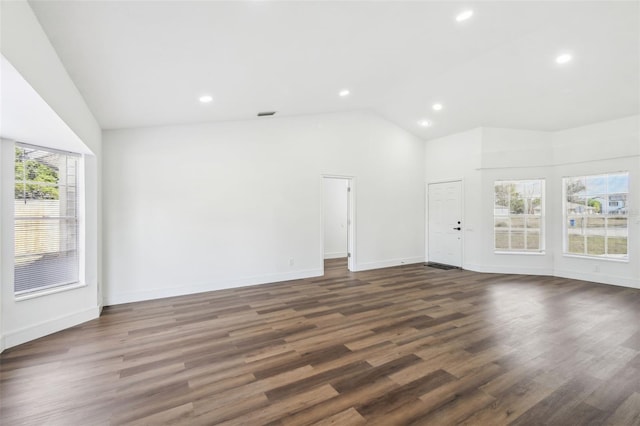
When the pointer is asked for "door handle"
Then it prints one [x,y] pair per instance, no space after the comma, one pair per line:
[457,229]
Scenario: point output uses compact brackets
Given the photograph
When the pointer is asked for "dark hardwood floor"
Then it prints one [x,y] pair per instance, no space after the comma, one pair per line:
[404,345]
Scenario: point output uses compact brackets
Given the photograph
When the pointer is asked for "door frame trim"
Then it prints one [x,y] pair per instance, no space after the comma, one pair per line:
[426,215]
[351,211]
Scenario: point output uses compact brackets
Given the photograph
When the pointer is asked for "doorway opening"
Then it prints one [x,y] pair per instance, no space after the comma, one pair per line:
[338,224]
[445,223]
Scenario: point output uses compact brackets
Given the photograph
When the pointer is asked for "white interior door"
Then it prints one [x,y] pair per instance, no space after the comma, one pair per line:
[445,223]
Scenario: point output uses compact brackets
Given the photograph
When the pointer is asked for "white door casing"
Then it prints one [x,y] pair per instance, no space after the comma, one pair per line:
[350,182]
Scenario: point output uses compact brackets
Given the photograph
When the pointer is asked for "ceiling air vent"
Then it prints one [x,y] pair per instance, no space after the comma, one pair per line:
[266,113]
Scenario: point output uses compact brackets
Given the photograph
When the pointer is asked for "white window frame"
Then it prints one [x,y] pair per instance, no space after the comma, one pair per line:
[80,231]
[524,216]
[565,216]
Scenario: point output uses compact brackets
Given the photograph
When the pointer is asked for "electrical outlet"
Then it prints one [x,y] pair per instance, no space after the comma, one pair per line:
[596,268]
[291,261]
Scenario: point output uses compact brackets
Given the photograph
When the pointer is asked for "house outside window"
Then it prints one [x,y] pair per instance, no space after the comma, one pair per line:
[596,215]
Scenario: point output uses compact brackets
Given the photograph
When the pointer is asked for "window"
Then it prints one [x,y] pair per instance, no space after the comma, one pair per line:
[46,219]
[518,215]
[596,215]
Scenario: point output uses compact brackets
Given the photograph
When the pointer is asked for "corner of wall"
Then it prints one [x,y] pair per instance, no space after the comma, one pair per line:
[44,328]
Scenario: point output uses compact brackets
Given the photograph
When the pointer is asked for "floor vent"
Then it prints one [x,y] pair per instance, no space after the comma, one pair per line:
[440,266]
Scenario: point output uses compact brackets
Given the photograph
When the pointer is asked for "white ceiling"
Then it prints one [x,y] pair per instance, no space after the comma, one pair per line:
[145,63]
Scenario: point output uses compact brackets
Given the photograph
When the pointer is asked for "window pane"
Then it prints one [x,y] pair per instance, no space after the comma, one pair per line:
[517,222]
[41,208]
[43,237]
[577,205]
[517,240]
[501,222]
[533,240]
[533,189]
[595,204]
[595,225]
[616,222]
[575,224]
[46,223]
[617,245]
[617,204]
[618,183]
[39,272]
[533,205]
[575,187]
[596,185]
[596,209]
[576,244]
[533,222]
[595,245]
[502,240]
[518,207]
[501,199]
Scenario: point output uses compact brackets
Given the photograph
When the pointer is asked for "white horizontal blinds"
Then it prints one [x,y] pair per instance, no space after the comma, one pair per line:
[46,219]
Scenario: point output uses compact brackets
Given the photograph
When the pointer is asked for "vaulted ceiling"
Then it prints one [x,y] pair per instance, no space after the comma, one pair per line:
[146,63]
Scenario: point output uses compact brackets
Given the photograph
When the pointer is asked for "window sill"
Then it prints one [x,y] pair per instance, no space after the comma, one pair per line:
[49,291]
[526,253]
[587,257]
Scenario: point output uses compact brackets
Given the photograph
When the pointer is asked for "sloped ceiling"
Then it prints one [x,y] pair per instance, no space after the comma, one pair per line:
[145,63]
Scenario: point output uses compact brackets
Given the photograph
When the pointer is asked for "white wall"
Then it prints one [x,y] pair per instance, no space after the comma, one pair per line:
[27,48]
[203,207]
[334,207]
[515,154]
[600,148]
[457,157]
[495,154]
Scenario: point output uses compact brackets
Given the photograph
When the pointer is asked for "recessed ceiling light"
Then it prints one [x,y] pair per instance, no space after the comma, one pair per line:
[437,107]
[205,99]
[463,16]
[344,92]
[563,59]
[424,123]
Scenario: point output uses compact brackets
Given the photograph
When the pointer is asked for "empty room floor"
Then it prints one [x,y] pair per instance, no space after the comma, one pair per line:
[403,345]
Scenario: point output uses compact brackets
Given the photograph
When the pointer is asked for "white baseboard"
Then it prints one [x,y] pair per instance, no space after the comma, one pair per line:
[160,293]
[336,255]
[491,269]
[388,263]
[45,328]
[584,276]
[598,278]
